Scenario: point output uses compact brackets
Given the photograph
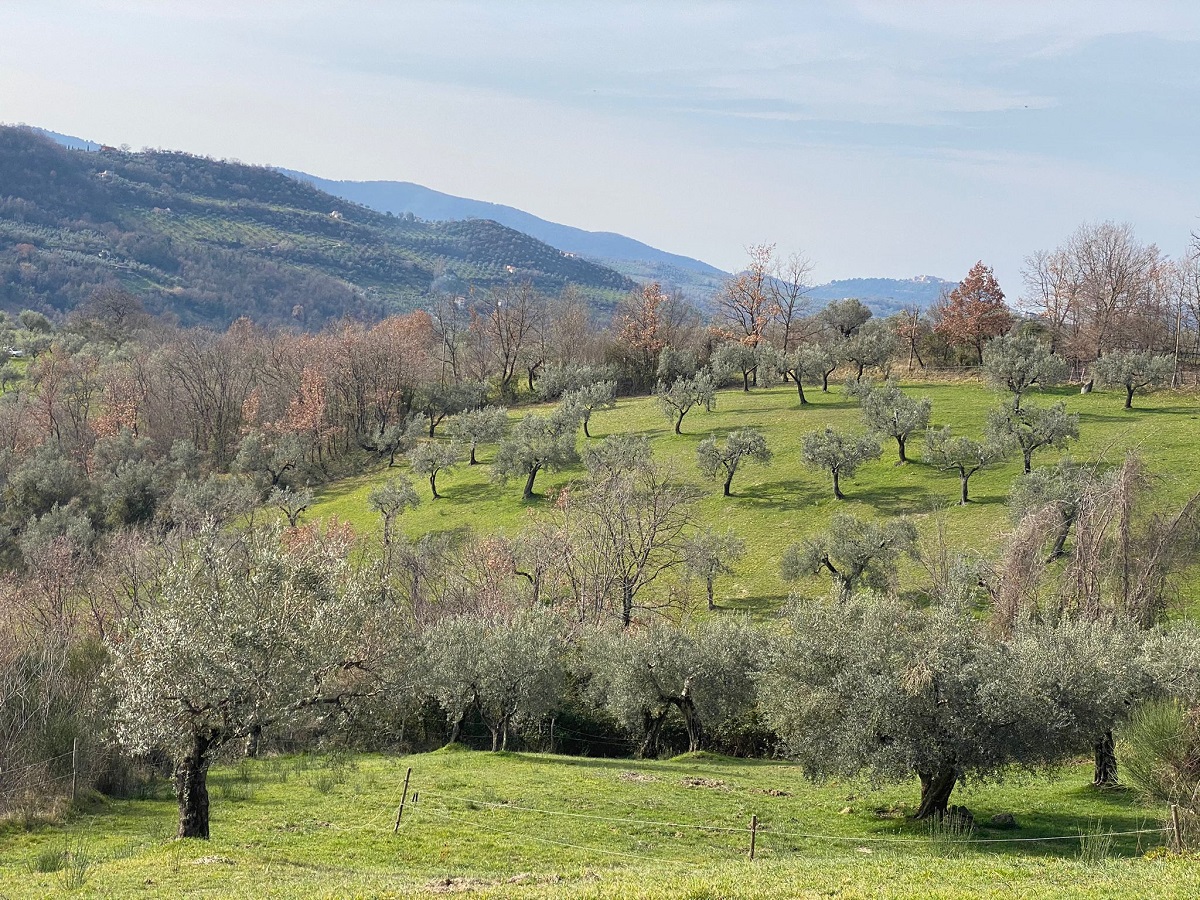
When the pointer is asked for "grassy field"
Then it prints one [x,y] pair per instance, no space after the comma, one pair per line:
[776,505]
[309,827]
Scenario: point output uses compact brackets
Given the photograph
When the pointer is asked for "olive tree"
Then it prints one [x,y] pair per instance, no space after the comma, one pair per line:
[886,409]
[684,394]
[706,673]
[1059,488]
[589,398]
[617,454]
[1134,370]
[291,503]
[709,553]
[857,553]
[390,499]
[244,633]
[736,358]
[478,426]
[838,454]
[807,363]
[875,685]
[960,454]
[717,459]
[537,443]
[507,666]
[872,346]
[1018,363]
[844,317]
[1033,427]
[557,381]
[429,458]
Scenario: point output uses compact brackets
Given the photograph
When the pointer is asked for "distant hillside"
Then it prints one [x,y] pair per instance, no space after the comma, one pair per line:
[884,296]
[624,254]
[210,241]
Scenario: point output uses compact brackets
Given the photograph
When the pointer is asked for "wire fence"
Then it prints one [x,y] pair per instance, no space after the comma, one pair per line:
[755,830]
[35,779]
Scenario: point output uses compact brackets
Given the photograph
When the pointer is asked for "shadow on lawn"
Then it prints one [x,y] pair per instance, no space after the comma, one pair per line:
[1115,811]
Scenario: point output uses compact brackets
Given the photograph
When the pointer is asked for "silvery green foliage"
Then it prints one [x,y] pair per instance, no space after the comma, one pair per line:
[707,673]
[508,666]
[678,398]
[857,553]
[964,455]
[807,364]
[723,459]
[838,453]
[844,317]
[1134,370]
[478,426]
[291,503]
[390,499]
[537,443]
[871,347]
[674,364]
[1033,427]
[429,458]
[215,500]
[243,633]
[872,685]
[589,398]
[886,409]
[559,380]
[734,358]
[1018,363]
[708,553]
[616,454]
[1171,658]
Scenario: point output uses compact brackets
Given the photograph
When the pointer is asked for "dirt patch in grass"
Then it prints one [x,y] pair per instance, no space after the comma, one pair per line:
[638,777]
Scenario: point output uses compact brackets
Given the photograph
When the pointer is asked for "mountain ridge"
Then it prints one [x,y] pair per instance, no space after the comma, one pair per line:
[210,241]
[641,262]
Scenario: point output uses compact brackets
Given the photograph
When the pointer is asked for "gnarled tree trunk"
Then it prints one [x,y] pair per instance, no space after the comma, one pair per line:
[936,787]
[191,787]
[1106,761]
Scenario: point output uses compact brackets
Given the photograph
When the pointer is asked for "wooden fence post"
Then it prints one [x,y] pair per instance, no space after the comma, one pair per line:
[753,833]
[1176,836]
[403,797]
[74,767]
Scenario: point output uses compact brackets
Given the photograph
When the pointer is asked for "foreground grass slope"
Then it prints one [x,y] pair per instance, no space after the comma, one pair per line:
[775,506]
[310,827]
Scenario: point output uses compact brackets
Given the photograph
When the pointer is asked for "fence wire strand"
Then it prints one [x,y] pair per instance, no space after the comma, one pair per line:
[768,830]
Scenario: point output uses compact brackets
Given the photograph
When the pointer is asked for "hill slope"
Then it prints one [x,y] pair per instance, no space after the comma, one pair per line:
[630,257]
[210,241]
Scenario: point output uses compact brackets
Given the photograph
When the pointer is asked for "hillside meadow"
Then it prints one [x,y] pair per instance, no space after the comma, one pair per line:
[495,825]
[775,505]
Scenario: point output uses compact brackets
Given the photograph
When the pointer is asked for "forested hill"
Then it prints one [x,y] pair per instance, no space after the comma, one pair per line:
[210,241]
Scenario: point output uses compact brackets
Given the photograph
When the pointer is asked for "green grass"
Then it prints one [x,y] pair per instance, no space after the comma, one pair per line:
[779,504]
[288,838]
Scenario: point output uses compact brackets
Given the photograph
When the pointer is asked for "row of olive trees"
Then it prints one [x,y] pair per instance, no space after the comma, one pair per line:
[258,630]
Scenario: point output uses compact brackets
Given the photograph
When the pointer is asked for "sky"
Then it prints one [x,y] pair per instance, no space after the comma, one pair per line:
[885,139]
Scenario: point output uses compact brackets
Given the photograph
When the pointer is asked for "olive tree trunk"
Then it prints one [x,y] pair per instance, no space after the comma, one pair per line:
[1106,761]
[936,787]
[191,788]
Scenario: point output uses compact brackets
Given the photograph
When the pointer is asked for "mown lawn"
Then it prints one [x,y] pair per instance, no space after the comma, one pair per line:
[309,827]
[779,504]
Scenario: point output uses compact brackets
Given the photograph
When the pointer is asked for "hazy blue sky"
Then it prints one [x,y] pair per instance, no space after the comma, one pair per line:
[891,139]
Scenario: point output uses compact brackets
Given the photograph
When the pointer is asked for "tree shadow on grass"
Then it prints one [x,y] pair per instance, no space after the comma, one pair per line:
[783,495]
[898,499]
